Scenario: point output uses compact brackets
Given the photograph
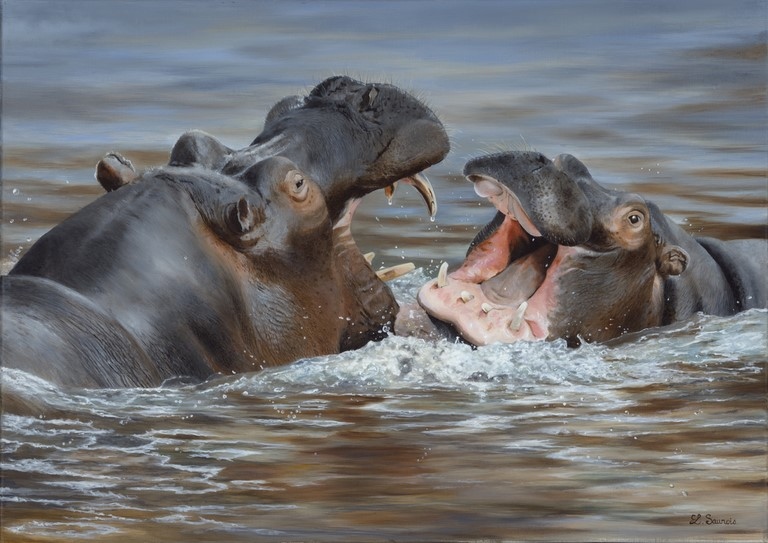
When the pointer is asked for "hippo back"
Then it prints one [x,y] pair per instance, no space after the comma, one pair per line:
[143,255]
[744,263]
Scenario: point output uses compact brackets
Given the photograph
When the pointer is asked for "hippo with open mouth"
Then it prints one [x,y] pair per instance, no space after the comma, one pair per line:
[223,260]
[567,258]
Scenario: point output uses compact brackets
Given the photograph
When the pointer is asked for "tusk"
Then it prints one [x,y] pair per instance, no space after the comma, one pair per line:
[420,182]
[519,314]
[389,192]
[442,275]
[393,272]
[486,307]
[369,257]
[466,296]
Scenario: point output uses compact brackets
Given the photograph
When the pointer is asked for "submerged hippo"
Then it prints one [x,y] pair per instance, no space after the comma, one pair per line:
[223,260]
[566,258]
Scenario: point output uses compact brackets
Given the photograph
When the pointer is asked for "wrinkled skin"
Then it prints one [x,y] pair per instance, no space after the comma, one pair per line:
[566,258]
[221,261]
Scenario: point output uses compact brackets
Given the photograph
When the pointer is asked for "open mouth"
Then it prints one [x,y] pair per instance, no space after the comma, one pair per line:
[343,227]
[504,289]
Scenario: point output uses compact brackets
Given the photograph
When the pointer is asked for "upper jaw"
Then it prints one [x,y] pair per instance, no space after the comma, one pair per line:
[552,201]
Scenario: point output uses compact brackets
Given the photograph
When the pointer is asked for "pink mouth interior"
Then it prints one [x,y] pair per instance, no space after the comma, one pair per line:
[503,290]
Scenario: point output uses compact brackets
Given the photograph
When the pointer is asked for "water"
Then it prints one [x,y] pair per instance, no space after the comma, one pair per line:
[404,440]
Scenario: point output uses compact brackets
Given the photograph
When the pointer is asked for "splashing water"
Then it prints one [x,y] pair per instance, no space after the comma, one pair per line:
[643,433]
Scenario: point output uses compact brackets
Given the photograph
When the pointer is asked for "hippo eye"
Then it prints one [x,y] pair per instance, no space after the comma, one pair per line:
[299,187]
[635,218]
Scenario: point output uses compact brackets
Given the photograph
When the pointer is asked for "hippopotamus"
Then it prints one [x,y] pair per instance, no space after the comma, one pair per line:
[223,260]
[566,258]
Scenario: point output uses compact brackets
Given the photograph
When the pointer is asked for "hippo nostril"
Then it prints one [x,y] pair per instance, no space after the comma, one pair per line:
[486,187]
[368,98]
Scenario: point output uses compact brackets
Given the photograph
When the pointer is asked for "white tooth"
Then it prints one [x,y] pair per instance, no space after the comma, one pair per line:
[486,307]
[442,275]
[393,272]
[466,296]
[369,257]
[519,314]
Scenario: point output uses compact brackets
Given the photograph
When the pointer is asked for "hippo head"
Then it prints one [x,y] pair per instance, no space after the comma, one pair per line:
[350,138]
[353,138]
[283,218]
[272,214]
[563,258]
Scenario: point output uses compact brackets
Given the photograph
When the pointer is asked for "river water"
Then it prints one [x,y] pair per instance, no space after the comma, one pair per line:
[662,437]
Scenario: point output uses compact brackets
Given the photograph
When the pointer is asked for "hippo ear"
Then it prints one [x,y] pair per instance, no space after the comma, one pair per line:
[240,216]
[672,261]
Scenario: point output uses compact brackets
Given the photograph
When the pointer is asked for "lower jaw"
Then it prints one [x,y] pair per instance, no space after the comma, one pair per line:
[369,305]
[478,320]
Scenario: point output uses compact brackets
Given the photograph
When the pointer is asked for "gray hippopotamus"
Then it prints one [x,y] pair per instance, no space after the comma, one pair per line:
[567,258]
[223,260]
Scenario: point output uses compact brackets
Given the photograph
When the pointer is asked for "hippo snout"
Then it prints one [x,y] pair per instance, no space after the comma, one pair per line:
[533,190]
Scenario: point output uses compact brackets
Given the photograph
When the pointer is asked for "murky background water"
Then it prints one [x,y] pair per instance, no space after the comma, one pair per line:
[404,440]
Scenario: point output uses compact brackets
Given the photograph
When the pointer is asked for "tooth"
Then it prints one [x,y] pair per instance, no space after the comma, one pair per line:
[486,307]
[393,272]
[420,182]
[369,257]
[442,275]
[466,296]
[519,314]
[389,192]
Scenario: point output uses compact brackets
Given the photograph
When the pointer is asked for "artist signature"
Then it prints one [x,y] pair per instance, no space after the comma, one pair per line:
[711,519]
